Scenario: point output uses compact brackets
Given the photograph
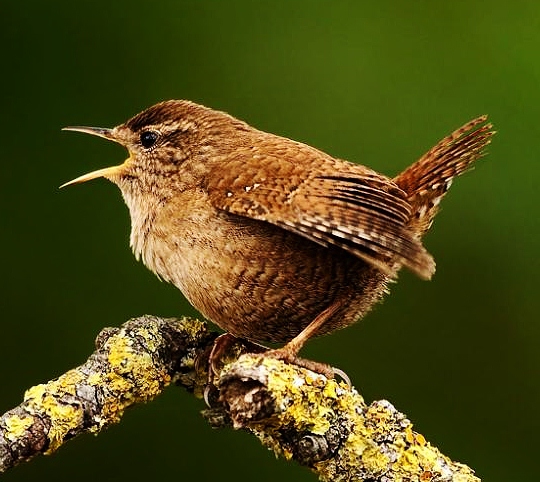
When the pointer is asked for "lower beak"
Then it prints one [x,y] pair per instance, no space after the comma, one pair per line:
[108,172]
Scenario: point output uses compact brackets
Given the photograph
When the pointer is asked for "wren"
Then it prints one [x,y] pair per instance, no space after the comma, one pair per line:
[271,239]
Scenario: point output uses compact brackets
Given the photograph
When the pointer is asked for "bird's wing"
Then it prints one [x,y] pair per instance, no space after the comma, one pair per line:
[333,203]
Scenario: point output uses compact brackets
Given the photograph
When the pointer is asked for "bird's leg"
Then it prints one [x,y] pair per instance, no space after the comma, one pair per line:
[289,352]
[223,345]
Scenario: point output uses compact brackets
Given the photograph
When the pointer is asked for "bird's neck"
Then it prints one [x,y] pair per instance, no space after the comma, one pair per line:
[143,207]
[142,216]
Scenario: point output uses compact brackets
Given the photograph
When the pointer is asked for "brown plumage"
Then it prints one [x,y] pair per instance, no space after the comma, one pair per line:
[263,234]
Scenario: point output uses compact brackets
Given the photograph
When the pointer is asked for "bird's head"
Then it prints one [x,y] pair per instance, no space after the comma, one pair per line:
[170,145]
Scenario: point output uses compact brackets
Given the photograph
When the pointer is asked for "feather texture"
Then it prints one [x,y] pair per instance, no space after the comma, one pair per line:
[427,180]
[333,203]
[269,238]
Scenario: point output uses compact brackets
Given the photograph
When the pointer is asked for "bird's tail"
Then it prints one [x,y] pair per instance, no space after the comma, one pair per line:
[428,179]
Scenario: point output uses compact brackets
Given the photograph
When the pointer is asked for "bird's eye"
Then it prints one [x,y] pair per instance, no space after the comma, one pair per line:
[148,139]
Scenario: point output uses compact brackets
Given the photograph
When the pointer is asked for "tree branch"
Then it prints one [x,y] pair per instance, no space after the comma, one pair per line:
[300,415]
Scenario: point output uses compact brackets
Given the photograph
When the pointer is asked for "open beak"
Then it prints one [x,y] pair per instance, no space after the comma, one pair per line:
[106,172]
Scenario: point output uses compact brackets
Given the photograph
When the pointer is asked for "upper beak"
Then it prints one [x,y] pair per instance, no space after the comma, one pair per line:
[94,131]
[107,172]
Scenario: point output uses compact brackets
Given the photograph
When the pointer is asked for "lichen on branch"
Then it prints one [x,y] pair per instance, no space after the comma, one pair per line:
[326,425]
[301,415]
[131,365]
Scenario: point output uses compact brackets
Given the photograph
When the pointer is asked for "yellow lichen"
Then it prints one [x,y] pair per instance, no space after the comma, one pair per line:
[16,426]
[192,327]
[119,350]
[47,399]
[311,402]
[117,383]
[149,338]
[35,392]
[124,361]
[409,435]
[420,439]
[95,379]
[300,404]
[374,461]
[356,444]
[64,418]
[132,376]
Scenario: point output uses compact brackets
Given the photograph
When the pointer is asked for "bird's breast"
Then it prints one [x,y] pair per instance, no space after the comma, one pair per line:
[249,277]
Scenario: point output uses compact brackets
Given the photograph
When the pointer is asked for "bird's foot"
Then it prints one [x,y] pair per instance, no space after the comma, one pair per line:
[289,352]
[225,348]
[228,347]
[289,356]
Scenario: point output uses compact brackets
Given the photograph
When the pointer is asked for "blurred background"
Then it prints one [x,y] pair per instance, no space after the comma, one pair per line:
[374,82]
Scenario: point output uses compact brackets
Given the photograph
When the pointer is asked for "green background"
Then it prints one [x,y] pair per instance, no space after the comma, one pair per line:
[374,82]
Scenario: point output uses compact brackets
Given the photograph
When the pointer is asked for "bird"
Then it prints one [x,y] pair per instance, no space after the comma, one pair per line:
[273,240]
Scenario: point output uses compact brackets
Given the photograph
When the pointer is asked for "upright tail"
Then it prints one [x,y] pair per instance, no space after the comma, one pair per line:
[428,179]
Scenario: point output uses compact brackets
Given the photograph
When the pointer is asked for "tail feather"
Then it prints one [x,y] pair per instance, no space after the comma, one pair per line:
[428,179]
